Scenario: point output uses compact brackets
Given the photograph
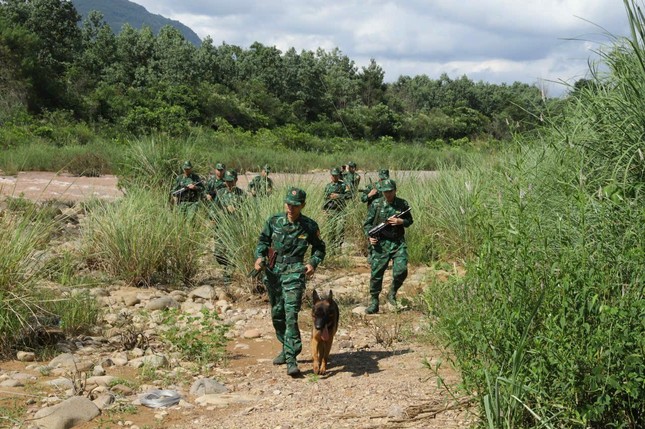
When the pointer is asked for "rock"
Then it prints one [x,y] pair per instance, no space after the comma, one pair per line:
[207,386]
[204,292]
[359,310]
[396,412]
[153,361]
[131,299]
[162,303]
[252,333]
[100,380]
[67,414]
[178,295]
[225,399]
[122,389]
[26,356]
[104,401]
[62,383]
[12,383]
[70,362]
[98,371]
[223,305]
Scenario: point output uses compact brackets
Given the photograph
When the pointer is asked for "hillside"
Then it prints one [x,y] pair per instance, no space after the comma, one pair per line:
[119,12]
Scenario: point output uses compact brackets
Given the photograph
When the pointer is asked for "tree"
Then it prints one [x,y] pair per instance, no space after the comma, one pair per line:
[371,84]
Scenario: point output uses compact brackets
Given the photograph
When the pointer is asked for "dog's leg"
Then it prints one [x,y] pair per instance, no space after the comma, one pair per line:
[315,356]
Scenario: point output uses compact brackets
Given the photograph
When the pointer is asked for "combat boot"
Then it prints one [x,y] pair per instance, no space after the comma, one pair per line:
[280,359]
[292,369]
[373,307]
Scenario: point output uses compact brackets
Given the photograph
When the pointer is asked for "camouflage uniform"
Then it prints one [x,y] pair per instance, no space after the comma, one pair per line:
[261,186]
[391,245]
[335,209]
[213,184]
[285,281]
[382,175]
[188,199]
[352,179]
[229,201]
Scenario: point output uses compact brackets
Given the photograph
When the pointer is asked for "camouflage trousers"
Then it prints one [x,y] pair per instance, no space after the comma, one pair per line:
[380,255]
[188,209]
[285,285]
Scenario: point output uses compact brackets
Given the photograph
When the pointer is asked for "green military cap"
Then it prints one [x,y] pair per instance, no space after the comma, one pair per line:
[295,197]
[187,165]
[386,185]
[384,173]
[266,168]
[351,164]
[220,166]
[334,171]
[230,176]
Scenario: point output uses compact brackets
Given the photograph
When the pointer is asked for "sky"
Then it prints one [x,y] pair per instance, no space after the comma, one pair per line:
[547,42]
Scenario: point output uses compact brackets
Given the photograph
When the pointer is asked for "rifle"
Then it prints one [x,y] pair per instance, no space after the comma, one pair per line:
[179,191]
[374,232]
[271,259]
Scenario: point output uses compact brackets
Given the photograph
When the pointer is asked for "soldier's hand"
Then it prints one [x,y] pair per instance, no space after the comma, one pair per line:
[258,264]
[372,192]
[333,195]
[209,197]
[309,270]
[191,186]
[373,240]
[394,220]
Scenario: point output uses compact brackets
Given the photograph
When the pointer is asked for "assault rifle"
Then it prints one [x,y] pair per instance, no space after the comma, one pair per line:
[271,258]
[374,232]
[179,191]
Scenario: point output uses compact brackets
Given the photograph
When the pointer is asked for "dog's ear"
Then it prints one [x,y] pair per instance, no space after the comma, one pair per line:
[331,295]
[316,297]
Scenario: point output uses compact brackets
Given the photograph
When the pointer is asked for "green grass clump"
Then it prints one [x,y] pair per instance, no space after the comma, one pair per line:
[142,240]
[199,338]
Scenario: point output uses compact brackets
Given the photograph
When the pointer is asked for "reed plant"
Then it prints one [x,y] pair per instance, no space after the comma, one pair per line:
[142,240]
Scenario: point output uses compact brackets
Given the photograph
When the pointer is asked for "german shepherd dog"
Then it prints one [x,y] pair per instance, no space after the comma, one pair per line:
[325,317]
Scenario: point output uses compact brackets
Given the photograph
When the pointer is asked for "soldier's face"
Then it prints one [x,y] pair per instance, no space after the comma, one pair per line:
[293,212]
[187,171]
[219,173]
[351,169]
[334,178]
[389,195]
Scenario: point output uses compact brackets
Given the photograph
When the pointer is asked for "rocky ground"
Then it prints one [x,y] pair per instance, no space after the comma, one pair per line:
[377,376]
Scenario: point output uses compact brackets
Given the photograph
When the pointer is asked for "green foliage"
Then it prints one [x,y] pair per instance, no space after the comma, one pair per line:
[138,239]
[199,338]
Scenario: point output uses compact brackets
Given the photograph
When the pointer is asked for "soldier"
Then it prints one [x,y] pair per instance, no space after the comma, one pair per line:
[187,191]
[281,250]
[389,244]
[261,185]
[228,199]
[351,178]
[335,202]
[371,192]
[214,183]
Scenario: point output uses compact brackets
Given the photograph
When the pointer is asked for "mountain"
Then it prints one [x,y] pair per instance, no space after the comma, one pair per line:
[119,12]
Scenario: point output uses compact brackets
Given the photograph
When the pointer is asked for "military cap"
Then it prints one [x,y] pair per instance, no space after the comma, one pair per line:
[266,168]
[295,197]
[384,173]
[230,176]
[187,165]
[334,171]
[351,164]
[220,166]
[386,185]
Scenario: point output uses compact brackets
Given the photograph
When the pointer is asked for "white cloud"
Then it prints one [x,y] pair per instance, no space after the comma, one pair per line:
[491,40]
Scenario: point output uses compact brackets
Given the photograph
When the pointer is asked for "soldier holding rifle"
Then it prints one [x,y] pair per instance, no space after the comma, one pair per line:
[385,225]
[187,191]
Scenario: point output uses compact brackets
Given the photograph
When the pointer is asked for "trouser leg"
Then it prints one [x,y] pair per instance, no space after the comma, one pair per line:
[399,268]
[276,301]
[293,287]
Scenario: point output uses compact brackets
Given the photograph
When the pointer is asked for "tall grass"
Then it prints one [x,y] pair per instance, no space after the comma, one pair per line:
[560,229]
[142,241]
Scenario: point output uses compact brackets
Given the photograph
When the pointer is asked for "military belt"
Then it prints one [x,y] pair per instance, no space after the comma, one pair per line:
[288,259]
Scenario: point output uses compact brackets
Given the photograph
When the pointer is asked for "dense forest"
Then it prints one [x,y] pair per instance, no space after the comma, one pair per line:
[136,82]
